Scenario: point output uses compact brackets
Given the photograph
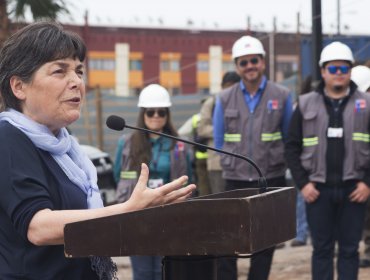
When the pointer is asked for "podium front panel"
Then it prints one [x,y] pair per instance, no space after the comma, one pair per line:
[228,223]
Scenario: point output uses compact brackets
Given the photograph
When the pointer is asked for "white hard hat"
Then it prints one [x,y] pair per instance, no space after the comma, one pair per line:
[361,76]
[154,96]
[336,51]
[247,45]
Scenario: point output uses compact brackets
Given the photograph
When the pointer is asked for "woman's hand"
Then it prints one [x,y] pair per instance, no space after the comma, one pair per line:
[47,226]
[143,197]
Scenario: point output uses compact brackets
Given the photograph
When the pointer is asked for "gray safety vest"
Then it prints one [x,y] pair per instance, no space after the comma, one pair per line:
[257,136]
[315,121]
[128,178]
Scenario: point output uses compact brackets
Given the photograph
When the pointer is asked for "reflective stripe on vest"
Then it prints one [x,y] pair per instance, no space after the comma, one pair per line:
[358,136]
[232,137]
[201,155]
[310,141]
[128,174]
[195,122]
[267,137]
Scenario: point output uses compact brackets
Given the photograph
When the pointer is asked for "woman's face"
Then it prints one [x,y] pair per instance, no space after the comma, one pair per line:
[55,94]
[155,118]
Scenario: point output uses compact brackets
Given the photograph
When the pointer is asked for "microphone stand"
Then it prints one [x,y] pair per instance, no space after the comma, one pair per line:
[262,183]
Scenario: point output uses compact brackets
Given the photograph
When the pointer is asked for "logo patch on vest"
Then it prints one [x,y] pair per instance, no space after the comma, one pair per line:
[272,104]
[360,104]
[180,146]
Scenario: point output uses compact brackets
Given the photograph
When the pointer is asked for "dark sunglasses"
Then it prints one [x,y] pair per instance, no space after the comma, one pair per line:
[245,62]
[160,112]
[344,69]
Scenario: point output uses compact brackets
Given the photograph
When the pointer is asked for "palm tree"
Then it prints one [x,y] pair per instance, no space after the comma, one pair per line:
[40,9]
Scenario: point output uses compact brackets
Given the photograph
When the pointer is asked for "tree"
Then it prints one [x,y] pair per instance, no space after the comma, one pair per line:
[40,9]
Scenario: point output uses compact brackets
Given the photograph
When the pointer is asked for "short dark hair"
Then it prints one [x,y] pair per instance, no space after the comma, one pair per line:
[230,77]
[30,48]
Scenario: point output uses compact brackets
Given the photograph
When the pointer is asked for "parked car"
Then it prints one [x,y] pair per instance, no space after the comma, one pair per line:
[104,168]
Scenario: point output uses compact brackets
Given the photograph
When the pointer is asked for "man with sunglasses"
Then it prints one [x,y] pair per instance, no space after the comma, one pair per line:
[251,118]
[328,154]
[361,76]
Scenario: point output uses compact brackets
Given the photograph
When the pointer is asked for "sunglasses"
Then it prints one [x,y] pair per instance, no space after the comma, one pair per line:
[245,62]
[160,112]
[344,69]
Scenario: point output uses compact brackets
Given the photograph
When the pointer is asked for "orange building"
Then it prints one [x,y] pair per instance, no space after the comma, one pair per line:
[123,60]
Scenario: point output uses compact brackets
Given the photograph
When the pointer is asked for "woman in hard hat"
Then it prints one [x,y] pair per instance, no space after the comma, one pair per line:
[166,158]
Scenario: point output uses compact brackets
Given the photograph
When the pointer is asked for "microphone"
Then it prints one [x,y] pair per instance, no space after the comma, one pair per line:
[117,123]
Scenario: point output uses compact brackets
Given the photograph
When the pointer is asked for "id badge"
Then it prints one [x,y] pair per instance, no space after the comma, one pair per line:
[335,132]
[155,183]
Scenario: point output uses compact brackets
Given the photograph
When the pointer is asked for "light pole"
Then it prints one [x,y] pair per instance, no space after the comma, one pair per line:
[338,17]
[316,38]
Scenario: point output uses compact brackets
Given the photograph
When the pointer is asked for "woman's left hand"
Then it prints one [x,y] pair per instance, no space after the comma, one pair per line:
[143,197]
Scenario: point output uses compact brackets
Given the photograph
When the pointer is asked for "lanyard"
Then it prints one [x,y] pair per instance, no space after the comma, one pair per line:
[155,161]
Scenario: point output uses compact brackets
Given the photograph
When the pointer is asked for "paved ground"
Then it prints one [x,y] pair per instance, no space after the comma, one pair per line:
[289,263]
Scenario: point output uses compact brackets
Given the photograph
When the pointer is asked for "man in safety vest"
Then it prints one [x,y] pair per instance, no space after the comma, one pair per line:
[251,118]
[328,154]
[361,76]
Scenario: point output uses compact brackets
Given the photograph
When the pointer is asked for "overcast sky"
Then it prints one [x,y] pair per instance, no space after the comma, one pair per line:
[219,14]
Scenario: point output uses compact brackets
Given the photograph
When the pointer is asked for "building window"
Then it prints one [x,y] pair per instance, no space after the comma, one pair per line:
[175,66]
[228,66]
[174,91]
[203,90]
[202,66]
[287,68]
[107,91]
[135,91]
[102,64]
[136,65]
[165,65]
[170,65]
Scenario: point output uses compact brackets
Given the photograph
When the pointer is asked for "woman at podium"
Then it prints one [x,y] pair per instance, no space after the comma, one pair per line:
[46,181]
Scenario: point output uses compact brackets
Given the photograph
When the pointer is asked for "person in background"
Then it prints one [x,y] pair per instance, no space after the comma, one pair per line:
[46,181]
[166,158]
[205,130]
[217,183]
[251,118]
[361,76]
[200,156]
[302,225]
[328,152]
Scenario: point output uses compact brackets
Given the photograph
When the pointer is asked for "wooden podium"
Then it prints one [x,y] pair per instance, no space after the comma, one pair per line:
[228,223]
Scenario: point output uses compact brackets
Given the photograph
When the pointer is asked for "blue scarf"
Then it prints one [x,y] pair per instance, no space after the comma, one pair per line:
[64,149]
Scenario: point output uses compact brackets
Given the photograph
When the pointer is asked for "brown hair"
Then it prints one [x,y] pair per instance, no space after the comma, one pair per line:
[141,148]
[30,48]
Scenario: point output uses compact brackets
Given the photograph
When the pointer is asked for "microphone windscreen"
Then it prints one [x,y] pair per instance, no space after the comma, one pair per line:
[115,122]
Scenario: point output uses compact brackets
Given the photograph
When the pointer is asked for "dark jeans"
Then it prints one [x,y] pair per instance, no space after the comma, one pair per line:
[261,262]
[333,217]
[366,234]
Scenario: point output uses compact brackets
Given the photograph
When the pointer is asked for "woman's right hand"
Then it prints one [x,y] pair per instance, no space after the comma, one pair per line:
[143,197]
